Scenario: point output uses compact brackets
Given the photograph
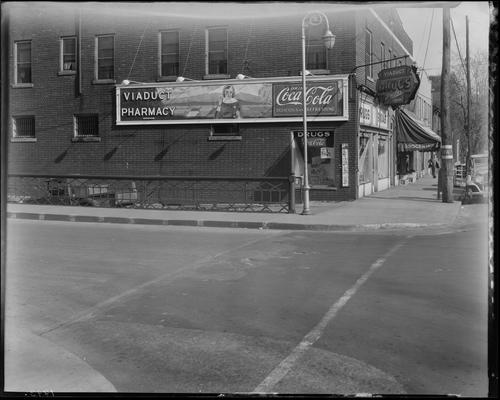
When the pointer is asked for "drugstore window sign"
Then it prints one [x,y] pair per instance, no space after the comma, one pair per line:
[230,102]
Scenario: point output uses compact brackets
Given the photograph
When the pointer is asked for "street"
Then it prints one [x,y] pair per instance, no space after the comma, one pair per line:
[208,310]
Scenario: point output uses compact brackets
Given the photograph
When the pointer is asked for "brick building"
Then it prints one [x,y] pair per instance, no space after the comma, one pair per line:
[95,91]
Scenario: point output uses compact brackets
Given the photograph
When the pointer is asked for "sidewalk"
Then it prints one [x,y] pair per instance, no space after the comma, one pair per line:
[407,206]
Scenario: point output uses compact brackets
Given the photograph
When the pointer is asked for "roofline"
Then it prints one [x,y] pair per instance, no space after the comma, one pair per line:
[392,34]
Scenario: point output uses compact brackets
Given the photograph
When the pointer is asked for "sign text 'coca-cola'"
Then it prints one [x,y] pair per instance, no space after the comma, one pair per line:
[322,98]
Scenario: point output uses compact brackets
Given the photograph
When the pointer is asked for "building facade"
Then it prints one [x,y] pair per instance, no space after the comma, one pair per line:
[139,93]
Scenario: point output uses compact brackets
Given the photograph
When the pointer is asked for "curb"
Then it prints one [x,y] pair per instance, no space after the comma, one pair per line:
[216,224]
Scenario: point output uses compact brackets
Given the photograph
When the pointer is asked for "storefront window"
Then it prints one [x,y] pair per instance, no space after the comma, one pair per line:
[320,157]
[365,159]
[383,158]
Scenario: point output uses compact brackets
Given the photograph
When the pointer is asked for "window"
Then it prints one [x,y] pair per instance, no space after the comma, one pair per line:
[365,163]
[225,132]
[316,54]
[86,125]
[169,53]
[68,54]
[22,62]
[105,57]
[217,51]
[383,157]
[382,55]
[368,53]
[23,127]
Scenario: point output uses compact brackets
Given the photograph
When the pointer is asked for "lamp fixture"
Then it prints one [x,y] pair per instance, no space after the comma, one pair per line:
[128,82]
[182,79]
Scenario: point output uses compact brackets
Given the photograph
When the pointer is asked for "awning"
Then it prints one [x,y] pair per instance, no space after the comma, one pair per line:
[412,135]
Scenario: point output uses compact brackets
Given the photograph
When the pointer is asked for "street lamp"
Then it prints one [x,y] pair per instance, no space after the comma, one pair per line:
[312,18]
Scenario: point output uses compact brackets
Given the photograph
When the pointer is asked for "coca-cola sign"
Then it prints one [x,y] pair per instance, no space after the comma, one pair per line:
[322,99]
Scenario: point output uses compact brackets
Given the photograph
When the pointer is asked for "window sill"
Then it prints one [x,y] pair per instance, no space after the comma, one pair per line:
[318,71]
[217,76]
[223,138]
[22,85]
[23,139]
[167,78]
[60,73]
[103,81]
[86,139]
[320,187]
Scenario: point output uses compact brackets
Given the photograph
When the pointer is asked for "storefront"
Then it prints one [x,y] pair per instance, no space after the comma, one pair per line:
[414,140]
[375,148]
[232,110]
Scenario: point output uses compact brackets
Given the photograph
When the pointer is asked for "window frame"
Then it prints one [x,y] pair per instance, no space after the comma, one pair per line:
[77,137]
[317,43]
[208,74]
[14,128]
[63,71]
[16,62]
[161,55]
[98,80]
[369,54]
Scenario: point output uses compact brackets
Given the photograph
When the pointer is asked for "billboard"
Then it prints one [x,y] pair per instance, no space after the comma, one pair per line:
[232,101]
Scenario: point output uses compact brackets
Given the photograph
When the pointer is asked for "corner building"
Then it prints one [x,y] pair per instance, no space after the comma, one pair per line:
[94,91]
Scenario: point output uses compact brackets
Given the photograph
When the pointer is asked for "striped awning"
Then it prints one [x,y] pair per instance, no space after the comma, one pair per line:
[411,135]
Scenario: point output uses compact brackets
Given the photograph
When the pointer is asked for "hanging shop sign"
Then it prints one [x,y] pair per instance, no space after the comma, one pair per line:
[374,116]
[232,101]
[397,86]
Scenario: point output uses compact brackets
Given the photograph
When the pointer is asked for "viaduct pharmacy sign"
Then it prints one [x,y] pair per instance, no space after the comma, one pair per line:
[230,101]
[397,86]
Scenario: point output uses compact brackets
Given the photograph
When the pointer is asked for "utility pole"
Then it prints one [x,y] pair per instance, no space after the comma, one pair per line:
[467,161]
[446,170]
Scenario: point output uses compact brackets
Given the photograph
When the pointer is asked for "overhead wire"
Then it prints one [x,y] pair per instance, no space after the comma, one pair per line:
[137,51]
[458,47]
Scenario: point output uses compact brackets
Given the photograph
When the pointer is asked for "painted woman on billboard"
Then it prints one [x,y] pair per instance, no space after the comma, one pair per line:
[229,106]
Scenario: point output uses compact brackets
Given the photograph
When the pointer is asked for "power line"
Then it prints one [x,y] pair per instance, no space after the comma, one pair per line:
[458,47]
[429,37]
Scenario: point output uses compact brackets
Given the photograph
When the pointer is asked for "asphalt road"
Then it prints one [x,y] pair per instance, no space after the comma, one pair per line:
[188,310]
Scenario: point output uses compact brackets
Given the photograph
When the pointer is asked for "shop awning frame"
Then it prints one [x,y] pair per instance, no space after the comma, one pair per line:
[411,135]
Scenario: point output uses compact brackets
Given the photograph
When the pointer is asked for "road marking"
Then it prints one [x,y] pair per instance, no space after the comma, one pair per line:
[289,362]
[103,305]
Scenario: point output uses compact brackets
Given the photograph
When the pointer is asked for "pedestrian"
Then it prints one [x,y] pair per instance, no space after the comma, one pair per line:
[432,167]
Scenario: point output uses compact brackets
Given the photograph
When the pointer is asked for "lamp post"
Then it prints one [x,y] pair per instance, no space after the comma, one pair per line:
[312,18]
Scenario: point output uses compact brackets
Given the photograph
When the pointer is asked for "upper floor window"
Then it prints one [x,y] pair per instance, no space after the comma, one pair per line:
[316,54]
[68,54]
[22,61]
[23,127]
[216,51]
[169,53]
[369,53]
[105,58]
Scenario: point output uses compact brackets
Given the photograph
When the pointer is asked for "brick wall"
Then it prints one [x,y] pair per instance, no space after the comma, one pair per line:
[271,47]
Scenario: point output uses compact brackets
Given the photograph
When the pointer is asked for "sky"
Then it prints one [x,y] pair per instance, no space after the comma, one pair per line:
[428,51]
